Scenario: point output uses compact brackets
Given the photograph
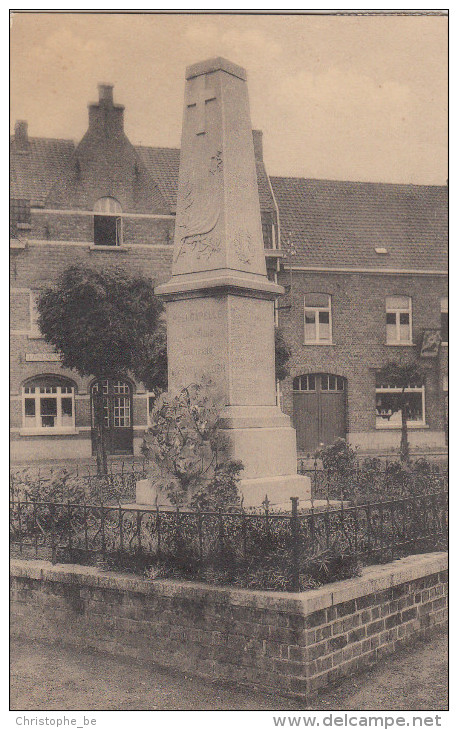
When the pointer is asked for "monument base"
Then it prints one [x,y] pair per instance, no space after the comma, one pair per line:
[277,489]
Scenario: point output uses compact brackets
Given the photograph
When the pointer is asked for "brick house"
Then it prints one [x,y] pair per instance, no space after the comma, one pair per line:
[367,275]
[102,203]
[366,268]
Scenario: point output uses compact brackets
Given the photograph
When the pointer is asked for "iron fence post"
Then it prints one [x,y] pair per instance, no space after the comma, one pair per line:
[220,533]
[295,544]
[121,534]
[102,529]
[69,517]
[139,531]
[20,523]
[158,530]
[244,535]
[200,537]
[35,524]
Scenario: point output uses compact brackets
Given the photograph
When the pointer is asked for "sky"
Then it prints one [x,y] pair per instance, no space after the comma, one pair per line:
[337,97]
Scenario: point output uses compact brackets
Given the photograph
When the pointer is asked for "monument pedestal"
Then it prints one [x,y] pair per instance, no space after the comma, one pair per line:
[224,331]
[219,301]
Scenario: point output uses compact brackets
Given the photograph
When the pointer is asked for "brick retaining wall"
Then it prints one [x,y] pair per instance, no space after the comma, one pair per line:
[293,643]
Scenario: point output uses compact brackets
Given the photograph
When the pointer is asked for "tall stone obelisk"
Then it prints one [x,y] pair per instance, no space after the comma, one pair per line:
[219,301]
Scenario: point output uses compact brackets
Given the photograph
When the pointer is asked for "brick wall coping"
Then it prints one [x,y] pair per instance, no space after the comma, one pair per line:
[373,578]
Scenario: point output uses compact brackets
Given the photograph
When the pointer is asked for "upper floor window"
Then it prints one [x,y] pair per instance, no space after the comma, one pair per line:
[317,318]
[107,222]
[444,319]
[19,215]
[48,403]
[267,230]
[398,320]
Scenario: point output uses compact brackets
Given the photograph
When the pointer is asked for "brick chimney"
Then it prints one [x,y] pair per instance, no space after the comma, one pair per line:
[21,136]
[105,117]
[257,142]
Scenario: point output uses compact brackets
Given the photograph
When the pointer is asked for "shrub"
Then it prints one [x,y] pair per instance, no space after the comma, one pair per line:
[188,451]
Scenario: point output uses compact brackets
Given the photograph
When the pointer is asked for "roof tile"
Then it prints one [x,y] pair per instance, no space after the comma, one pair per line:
[340,224]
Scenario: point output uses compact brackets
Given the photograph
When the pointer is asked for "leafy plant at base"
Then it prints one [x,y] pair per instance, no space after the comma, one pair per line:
[189,453]
[339,461]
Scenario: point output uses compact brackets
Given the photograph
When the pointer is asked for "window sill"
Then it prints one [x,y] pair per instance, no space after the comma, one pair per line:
[400,344]
[35,336]
[15,244]
[24,226]
[395,427]
[320,343]
[48,431]
[93,247]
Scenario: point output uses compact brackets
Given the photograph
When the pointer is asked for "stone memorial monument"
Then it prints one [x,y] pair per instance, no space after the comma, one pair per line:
[219,301]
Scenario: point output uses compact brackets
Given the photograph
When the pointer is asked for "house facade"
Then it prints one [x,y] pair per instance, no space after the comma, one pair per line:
[347,310]
[365,265]
[102,203]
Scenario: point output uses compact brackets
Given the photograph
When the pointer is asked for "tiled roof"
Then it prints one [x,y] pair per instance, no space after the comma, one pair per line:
[163,163]
[329,223]
[340,224]
[32,173]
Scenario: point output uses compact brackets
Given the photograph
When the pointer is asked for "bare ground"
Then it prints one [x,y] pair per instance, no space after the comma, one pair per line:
[45,677]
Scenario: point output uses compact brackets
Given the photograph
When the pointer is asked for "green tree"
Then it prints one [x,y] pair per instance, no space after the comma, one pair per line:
[282,355]
[105,324]
[401,375]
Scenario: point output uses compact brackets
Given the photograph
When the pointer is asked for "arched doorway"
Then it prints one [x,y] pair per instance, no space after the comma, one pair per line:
[319,401]
[117,409]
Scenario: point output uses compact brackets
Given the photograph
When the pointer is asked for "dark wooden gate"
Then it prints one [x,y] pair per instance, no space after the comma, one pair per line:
[319,402]
[117,409]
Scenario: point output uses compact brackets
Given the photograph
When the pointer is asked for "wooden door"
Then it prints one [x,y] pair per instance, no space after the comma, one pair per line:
[319,402]
[117,408]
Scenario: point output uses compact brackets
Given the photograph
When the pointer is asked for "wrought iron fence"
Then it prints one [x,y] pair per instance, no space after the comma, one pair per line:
[76,483]
[289,546]
[372,478]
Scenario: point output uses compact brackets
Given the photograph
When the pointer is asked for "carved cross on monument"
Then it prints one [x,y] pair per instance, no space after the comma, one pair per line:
[198,102]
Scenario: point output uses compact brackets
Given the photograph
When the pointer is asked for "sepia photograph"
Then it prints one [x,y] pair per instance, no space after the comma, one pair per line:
[228,482]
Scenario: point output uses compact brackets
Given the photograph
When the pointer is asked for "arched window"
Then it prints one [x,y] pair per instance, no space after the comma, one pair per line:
[48,403]
[107,222]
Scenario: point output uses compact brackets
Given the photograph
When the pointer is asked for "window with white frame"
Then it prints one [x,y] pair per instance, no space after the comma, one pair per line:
[107,222]
[444,319]
[317,318]
[398,320]
[48,403]
[388,404]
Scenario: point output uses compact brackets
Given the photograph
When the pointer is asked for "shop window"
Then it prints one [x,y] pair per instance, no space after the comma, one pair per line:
[48,404]
[388,405]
